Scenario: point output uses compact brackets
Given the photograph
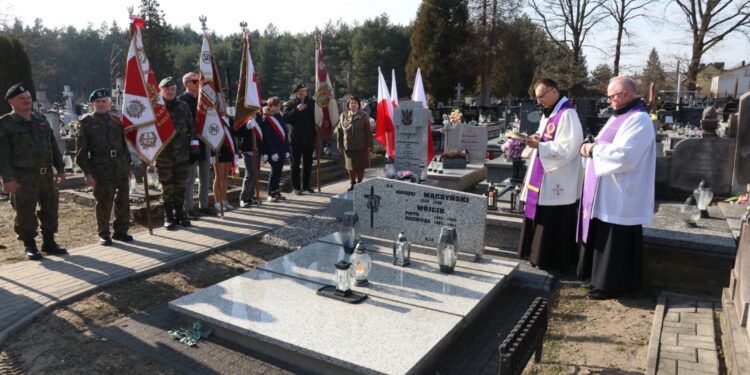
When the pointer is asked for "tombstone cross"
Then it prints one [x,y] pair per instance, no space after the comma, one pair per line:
[458,91]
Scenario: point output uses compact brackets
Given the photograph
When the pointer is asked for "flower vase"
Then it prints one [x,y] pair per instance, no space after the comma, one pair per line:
[517,175]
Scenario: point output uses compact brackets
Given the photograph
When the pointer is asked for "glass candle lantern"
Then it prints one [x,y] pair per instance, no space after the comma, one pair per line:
[705,196]
[690,213]
[350,233]
[447,252]
[343,277]
[361,265]
[492,197]
[401,251]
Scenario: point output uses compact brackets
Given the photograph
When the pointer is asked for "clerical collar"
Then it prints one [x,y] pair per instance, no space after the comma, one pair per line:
[548,111]
[626,108]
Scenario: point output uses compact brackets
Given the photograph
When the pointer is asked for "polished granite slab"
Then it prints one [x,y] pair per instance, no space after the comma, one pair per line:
[375,336]
[420,283]
[712,235]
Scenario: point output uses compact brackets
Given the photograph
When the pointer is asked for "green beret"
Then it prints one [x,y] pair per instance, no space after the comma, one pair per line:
[15,90]
[98,94]
[166,82]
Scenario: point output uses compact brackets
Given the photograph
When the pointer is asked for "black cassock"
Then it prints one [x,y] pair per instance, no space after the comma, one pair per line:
[549,241]
[612,257]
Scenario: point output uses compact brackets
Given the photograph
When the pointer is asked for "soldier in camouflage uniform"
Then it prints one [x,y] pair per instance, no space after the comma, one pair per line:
[28,151]
[173,162]
[104,158]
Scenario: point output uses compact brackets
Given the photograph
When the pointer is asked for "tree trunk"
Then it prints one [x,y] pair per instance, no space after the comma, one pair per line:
[618,47]
[693,66]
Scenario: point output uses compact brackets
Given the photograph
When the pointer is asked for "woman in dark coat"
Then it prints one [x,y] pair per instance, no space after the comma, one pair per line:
[354,137]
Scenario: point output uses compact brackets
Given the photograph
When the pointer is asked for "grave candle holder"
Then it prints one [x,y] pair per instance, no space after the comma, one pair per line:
[401,251]
[447,252]
[703,196]
[350,231]
[492,197]
[342,290]
[690,213]
[362,264]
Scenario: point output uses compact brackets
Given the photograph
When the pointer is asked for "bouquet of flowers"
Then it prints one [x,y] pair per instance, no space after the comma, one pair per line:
[456,116]
[512,148]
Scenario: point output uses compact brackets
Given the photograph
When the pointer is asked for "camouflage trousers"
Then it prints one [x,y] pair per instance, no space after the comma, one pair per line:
[35,190]
[172,179]
[110,194]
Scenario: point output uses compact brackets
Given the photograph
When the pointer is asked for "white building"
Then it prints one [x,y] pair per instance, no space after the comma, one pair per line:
[723,84]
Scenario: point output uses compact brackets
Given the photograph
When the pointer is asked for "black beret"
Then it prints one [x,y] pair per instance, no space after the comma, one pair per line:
[299,86]
[13,91]
[166,82]
[98,94]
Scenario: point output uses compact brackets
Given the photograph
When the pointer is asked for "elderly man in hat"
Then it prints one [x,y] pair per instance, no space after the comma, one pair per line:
[174,161]
[28,152]
[104,158]
[299,113]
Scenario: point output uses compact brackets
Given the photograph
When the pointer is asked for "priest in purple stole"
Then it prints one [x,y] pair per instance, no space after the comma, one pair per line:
[552,185]
[618,194]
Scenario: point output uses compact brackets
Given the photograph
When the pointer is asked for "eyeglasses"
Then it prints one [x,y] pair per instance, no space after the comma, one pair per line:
[611,97]
[193,81]
[543,94]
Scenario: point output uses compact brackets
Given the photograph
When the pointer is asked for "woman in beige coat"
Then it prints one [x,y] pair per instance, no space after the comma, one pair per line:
[354,138]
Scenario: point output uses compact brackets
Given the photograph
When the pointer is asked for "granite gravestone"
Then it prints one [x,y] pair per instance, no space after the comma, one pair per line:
[451,134]
[739,279]
[695,159]
[474,140]
[410,121]
[742,146]
[530,116]
[387,207]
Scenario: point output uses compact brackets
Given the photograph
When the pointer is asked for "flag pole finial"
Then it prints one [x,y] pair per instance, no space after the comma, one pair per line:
[130,13]
[203,20]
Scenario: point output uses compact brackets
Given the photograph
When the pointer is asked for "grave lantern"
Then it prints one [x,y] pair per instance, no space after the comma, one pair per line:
[401,251]
[492,197]
[362,264]
[447,252]
[690,213]
[390,168]
[703,196]
[350,231]
[343,277]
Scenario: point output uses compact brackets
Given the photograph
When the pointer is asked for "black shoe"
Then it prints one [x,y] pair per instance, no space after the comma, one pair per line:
[598,295]
[246,204]
[309,190]
[191,215]
[105,240]
[169,219]
[49,245]
[207,211]
[124,237]
[29,248]
[298,192]
[350,187]
[181,217]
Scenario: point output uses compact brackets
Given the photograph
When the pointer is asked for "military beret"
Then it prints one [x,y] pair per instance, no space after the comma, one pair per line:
[166,82]
[299,86]
[13,91]
[98,94]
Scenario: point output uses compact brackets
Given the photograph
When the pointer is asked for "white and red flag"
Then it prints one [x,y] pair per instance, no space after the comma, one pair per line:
[394,93]
[145,119]
[384,130]
[326,109]
[210,124]
[418,95]
[248,92]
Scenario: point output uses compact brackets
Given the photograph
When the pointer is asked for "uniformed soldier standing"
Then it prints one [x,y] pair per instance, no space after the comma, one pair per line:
[105,160]
[28,151]
[174,161]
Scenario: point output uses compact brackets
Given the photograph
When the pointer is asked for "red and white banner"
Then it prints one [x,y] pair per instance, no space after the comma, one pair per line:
[255,128]
[384,130]
[145,119]
[326,109]
[418,95]
[210,124]
[394,93]
[248,93]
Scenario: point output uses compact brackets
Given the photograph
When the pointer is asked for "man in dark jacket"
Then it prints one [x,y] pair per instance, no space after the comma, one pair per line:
[174,160]
[246,138]
[199,156]
[299,113]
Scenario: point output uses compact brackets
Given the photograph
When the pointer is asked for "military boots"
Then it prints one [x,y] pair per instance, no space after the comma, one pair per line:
[182,217]
[169,219]
[49,245]
[29,247]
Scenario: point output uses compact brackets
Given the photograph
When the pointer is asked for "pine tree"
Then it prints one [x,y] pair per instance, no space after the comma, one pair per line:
[157,40]
[600,78]
[439,48]
[14,67]
[654,72]
[377,43]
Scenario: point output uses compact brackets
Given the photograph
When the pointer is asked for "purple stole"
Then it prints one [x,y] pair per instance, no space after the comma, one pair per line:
[537,169]
[591,182]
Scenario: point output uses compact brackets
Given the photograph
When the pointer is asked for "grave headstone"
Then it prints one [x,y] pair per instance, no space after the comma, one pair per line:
[474,140]
[387,207]
[695,159]
[742,146]
[739,279]
[451,133]
[410,121]
[530,116]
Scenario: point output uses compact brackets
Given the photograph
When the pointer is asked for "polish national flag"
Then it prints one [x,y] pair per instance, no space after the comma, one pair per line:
[418,95]
[394,94]
[384,130]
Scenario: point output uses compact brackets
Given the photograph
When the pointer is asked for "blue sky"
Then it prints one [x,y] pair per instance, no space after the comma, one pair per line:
[664,32]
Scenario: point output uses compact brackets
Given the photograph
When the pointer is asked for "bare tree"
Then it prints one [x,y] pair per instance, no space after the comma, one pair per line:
[710,21]
[623,11]
[568,22]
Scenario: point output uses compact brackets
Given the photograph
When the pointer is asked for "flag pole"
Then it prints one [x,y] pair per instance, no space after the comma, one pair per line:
[256,166]
[148,201]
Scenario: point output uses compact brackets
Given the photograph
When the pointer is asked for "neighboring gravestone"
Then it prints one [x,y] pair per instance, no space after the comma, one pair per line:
[474,140]
[410,120]
[695,159]
[388,207]
[742,154]
[451,133]
[530,116]
[739,279]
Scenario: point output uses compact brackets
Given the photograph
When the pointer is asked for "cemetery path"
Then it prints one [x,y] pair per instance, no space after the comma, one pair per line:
[28,289]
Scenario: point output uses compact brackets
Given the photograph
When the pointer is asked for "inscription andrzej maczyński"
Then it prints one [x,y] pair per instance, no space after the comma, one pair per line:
[420,212]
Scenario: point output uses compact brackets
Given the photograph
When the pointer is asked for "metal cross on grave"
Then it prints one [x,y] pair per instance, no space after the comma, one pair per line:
[458,91]
[373,204]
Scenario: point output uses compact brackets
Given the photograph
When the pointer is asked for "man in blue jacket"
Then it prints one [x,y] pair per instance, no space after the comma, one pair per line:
[275,145]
